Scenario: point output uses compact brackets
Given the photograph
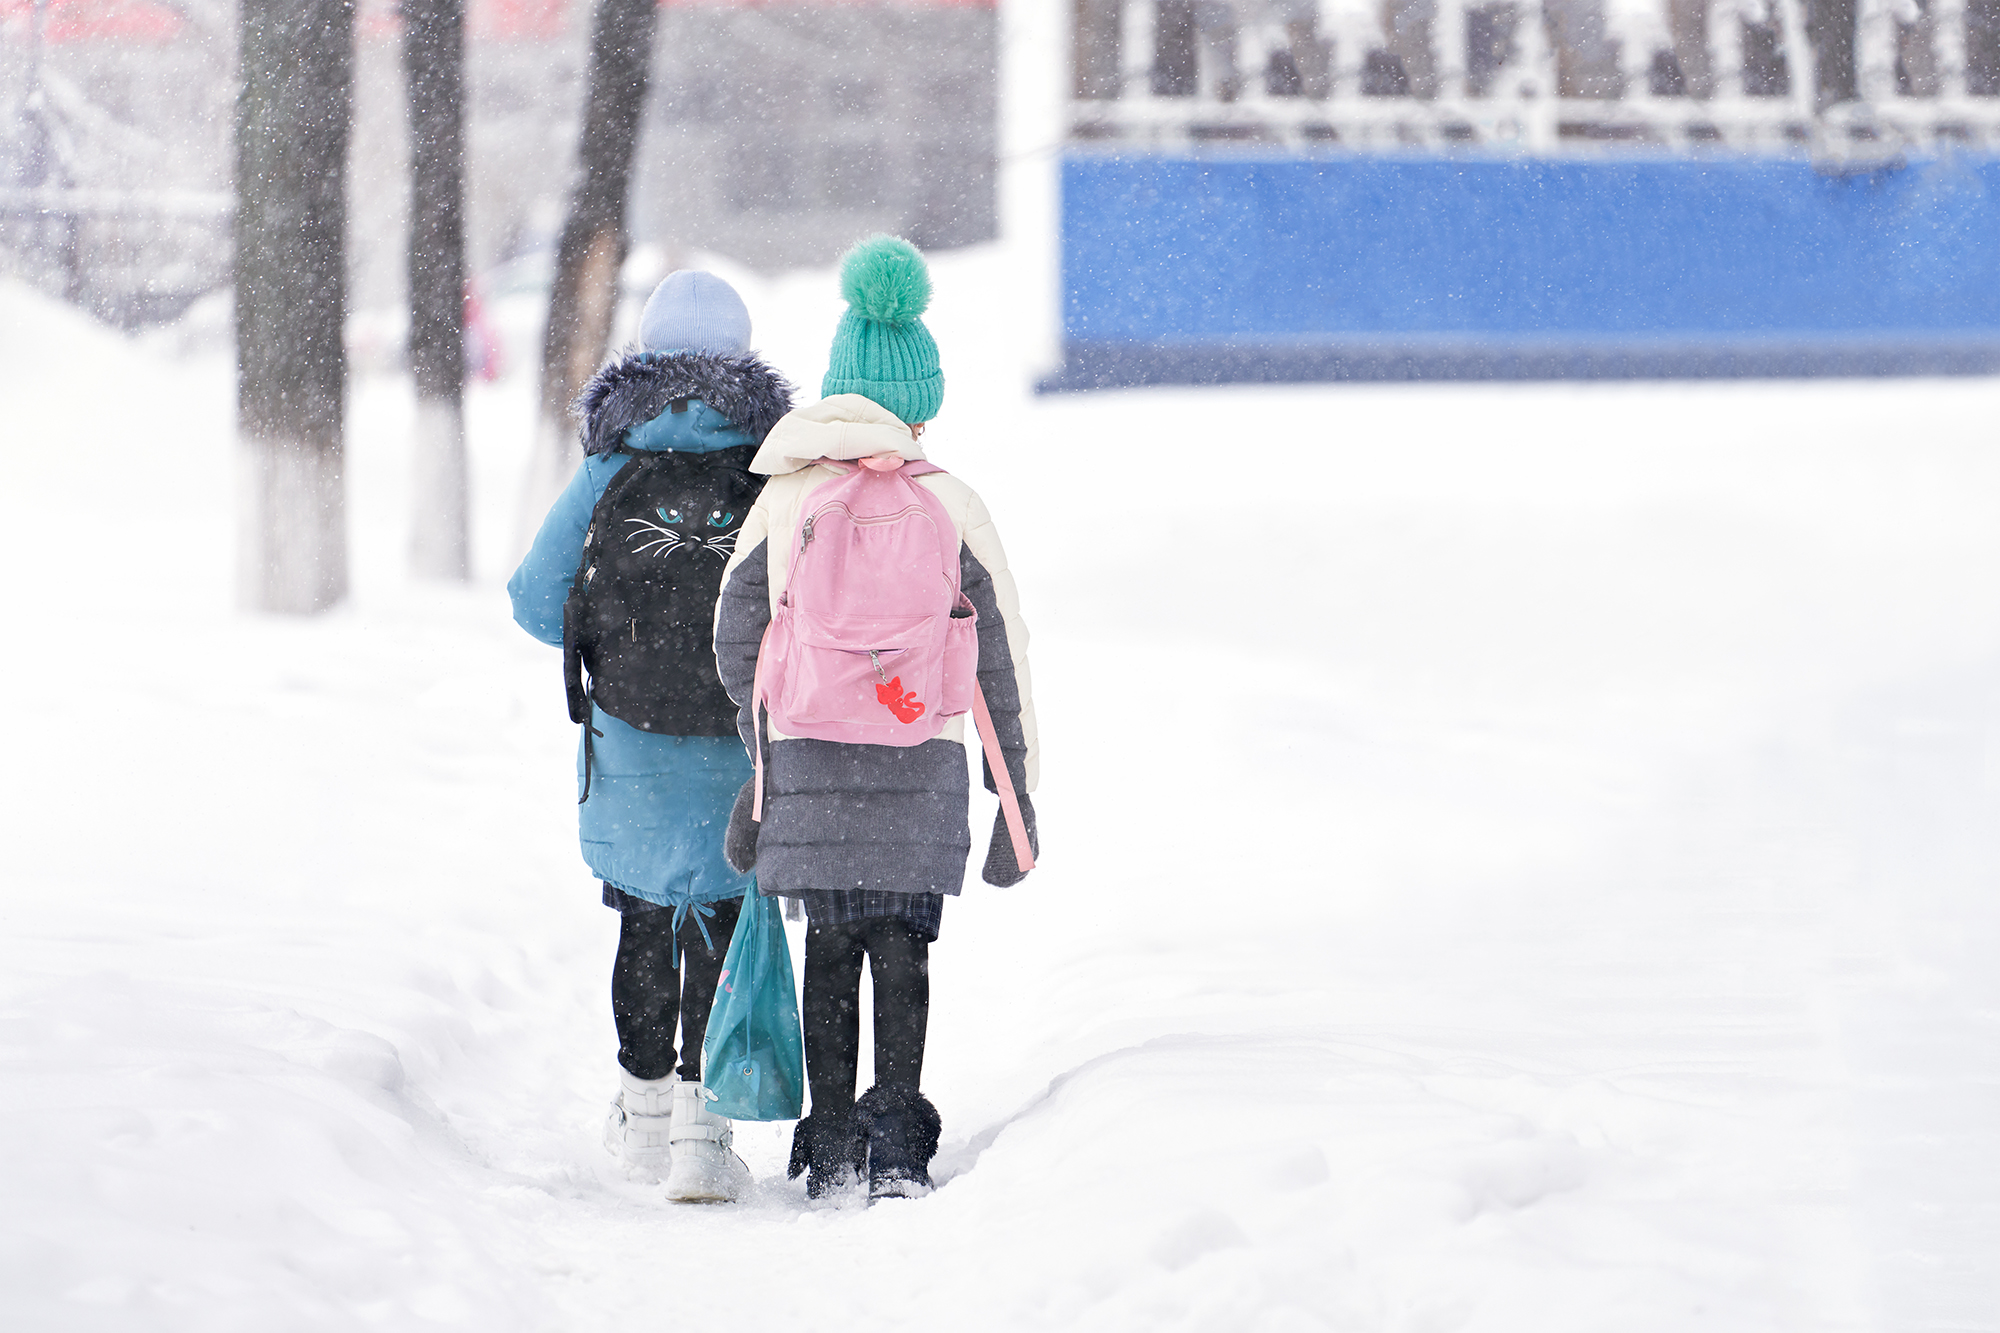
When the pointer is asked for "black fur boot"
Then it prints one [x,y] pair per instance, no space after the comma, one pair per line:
[901,1129]
[828,1149]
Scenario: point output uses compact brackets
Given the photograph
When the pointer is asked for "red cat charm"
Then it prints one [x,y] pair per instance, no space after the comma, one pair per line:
[905,706]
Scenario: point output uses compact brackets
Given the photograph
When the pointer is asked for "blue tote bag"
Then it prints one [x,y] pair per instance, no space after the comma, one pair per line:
[753,1059]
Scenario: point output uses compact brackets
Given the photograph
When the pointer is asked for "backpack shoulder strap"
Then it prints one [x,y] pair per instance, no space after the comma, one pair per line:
[989,740]
[1010,804]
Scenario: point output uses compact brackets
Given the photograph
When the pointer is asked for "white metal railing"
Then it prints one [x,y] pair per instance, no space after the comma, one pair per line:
[1520,101]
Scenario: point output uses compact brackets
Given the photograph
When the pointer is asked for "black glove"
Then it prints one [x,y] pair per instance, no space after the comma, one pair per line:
[1001,870]
[739,844]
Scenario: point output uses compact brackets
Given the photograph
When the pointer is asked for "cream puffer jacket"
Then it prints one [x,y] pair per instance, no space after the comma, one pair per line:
[803,845]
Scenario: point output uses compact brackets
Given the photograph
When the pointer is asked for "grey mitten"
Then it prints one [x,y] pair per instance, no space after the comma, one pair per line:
[739,844]
[1001,870]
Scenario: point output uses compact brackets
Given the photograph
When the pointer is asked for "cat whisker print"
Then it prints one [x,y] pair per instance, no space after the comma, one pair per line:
[665,539]
[720,546]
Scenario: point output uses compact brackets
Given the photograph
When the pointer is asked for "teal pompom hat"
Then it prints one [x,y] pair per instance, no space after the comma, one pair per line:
[882,350]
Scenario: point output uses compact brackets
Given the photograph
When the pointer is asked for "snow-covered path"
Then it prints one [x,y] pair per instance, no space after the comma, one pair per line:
[1518,857]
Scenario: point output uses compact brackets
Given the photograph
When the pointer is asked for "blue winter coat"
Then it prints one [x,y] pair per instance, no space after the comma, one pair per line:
[658,805]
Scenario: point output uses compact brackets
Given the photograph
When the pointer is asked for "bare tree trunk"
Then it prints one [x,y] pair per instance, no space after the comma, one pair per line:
[584,298]
[433,69]
[292,116]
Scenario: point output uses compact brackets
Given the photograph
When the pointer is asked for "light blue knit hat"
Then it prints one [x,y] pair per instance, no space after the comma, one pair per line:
[693,311]
[882,350]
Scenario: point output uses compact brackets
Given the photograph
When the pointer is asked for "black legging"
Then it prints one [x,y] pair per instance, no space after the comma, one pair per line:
[648,995]
[899,966]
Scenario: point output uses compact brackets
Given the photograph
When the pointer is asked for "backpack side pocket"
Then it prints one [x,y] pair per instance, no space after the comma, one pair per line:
[961,658]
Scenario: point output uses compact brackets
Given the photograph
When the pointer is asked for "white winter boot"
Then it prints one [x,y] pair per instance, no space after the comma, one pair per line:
[638,1130]
[705,1169]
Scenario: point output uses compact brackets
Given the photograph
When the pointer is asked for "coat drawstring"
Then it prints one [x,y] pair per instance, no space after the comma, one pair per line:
[702,912]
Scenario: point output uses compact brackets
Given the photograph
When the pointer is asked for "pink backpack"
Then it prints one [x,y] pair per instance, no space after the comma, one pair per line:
[873,642]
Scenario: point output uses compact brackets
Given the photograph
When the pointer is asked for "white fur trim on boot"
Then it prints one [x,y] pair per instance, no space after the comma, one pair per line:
[638,1130]
[705,1170]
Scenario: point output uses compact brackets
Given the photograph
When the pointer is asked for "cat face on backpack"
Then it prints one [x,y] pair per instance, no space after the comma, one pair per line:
[693,525]
[642,609]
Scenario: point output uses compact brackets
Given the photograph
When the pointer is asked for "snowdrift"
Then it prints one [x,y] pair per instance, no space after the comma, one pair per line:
[1537,877]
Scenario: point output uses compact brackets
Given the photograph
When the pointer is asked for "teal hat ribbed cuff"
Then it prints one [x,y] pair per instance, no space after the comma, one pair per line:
[895,365]
[881,350]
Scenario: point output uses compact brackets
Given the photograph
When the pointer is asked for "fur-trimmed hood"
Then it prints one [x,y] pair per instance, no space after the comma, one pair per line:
[636,388]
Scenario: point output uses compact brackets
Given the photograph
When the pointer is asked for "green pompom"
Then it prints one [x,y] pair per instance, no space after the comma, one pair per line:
[884,279]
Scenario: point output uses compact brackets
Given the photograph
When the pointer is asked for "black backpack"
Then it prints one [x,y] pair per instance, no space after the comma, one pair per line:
[640,616]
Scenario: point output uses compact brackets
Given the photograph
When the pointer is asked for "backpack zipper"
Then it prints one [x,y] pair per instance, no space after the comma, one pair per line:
[859,521]
[806,530]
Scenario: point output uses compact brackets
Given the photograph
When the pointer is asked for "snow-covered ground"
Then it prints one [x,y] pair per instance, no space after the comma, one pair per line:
[1518,857]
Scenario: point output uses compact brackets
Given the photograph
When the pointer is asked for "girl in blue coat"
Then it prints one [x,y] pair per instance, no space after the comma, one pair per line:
[638,558]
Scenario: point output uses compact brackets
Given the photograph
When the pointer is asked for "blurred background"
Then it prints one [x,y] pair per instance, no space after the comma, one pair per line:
[1378,175]
[772,133]
[1505,498]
